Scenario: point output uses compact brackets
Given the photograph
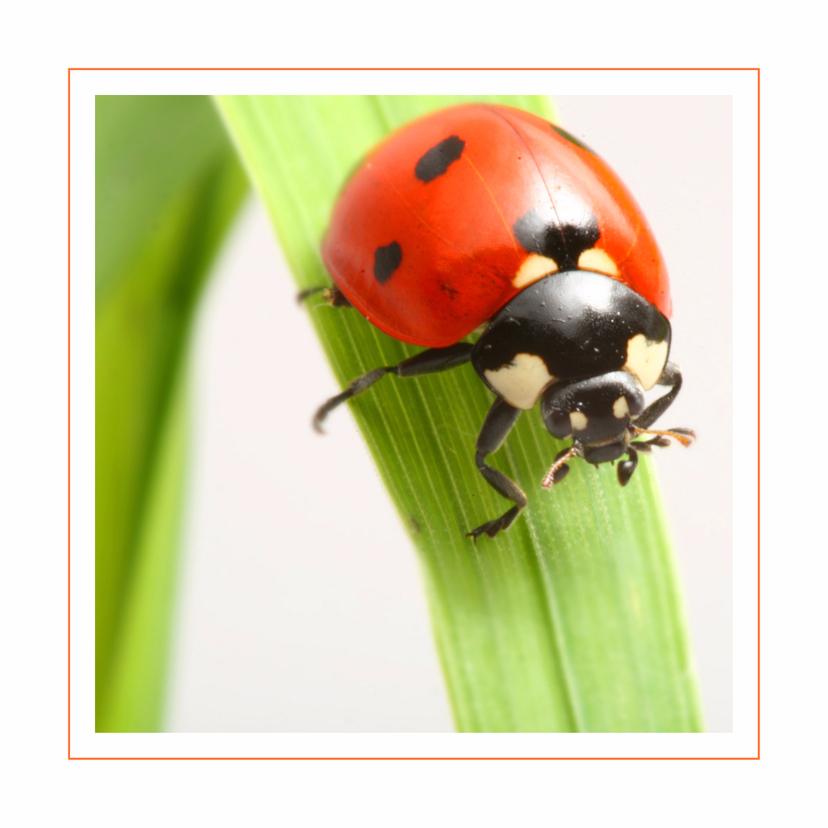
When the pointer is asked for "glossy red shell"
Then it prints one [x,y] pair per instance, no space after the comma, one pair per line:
[459,253]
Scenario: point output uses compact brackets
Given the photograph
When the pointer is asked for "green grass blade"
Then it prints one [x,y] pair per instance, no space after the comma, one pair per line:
[572,620]
[167,187]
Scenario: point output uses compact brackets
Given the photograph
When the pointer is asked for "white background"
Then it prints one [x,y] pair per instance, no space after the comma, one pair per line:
[42,785]
[302,608]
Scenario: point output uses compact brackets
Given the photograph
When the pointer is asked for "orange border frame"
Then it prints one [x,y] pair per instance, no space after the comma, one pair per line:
[420,69]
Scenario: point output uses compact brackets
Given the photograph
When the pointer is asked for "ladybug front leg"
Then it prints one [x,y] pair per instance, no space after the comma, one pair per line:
[670,376]
[426,362]
[496,427]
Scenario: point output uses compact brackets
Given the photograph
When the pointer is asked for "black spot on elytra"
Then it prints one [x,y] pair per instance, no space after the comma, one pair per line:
[439,158]
[539,232]
[572,139]
[386,260]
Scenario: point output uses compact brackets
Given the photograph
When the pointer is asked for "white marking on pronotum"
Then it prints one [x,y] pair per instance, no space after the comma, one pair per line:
[598,260]
[620,408]
[646,359]
[522,381]
[534,268]
[578,420]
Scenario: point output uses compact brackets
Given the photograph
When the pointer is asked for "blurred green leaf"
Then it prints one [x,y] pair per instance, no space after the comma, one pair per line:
[572,620]
[168,185]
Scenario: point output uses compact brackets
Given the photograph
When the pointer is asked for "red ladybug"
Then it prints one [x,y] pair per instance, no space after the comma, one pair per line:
[486,215]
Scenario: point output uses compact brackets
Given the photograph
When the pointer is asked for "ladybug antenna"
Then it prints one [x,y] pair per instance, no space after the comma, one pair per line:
[682,435]
[558,470]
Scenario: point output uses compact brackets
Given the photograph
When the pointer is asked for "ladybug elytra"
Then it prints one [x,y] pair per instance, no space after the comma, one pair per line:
[483,215]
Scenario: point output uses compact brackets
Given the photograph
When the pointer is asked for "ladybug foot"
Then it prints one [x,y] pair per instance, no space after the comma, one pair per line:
[333,295]
[494,526]
[685,436]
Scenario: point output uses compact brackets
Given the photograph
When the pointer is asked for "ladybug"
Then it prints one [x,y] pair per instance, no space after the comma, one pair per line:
[483,216]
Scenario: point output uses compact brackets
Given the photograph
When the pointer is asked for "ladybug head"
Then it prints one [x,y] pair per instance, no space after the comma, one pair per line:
[596,413]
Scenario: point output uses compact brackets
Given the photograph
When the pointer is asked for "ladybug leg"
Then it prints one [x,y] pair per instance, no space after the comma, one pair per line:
[334,296]
[498,424]
[426,362]
[671,377]
[627,467]
[359,385]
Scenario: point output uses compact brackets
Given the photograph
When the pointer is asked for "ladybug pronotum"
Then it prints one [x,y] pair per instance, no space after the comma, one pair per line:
[482,215]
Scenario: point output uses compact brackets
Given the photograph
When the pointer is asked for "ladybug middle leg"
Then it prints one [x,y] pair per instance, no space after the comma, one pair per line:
[496,427]
[426,362]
